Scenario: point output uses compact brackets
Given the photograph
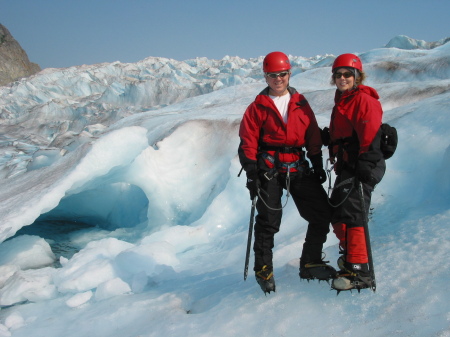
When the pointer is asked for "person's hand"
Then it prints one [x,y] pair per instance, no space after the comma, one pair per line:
[320,174]
[317,164]
[325,135]
[363,173]
[253,183]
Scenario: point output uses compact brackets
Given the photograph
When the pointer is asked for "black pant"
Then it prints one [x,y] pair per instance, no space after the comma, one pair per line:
[311,201]
[349,211]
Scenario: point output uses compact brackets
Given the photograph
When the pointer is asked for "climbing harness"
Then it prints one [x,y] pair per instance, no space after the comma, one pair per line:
[281,167]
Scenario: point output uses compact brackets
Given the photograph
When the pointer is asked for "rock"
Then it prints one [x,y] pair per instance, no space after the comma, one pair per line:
[14,62]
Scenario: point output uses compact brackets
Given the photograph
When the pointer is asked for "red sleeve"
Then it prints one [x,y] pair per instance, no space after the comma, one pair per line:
[313,140]
[249,132]
[367,121]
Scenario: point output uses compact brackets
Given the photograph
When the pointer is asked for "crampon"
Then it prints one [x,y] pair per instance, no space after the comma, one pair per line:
[317,271]
[266,280]
[346,280]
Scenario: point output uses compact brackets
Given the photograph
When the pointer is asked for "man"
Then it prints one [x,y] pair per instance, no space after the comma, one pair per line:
[278,131]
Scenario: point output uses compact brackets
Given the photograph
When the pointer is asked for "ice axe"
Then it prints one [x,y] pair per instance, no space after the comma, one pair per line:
[367,236]
[249,240]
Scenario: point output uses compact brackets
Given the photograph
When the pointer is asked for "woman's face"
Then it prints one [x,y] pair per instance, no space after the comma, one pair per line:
[344,79]
[278,84]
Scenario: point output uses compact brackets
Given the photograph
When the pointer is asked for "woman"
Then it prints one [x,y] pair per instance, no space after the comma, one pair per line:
[354,143]
[276,131]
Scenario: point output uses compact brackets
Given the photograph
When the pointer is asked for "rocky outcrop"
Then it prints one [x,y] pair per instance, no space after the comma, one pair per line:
[14,62]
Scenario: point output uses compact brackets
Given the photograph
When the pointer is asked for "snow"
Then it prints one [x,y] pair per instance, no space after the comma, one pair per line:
[122,214]
[404,42]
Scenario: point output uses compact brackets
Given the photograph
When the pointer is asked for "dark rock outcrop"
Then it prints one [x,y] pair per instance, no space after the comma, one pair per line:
[14,62]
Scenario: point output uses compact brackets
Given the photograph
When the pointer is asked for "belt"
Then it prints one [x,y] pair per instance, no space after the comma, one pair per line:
[284,166]
[281,149]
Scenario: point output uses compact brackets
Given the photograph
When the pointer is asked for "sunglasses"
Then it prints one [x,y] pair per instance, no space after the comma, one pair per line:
[275,75]
[346,75]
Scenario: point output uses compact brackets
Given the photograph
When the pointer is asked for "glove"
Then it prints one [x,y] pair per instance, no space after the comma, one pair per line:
[253,183]
[317,164]
[325,135]
[320,174]
[363,172]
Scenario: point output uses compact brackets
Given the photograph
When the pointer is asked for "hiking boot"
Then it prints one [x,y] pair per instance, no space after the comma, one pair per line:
[352,276]
[265,279]
[316,270]
[341,260]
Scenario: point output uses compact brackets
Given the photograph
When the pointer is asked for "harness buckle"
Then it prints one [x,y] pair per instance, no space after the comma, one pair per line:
[269,175]
[282,167]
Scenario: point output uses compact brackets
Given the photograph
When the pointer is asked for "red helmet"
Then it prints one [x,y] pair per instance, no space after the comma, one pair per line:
[347,60]
[276,61]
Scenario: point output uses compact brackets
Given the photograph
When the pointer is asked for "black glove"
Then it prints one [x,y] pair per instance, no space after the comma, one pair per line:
[325,135]
[318,170]
[320,174]
[363,172]
[253,183]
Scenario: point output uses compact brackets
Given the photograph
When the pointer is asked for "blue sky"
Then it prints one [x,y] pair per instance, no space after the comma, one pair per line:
[63,33]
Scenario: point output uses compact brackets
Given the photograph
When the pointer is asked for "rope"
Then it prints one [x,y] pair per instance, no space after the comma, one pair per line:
[346,181]
[288,186]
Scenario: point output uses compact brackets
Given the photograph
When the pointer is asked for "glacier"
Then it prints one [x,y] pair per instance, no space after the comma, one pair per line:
[121,212]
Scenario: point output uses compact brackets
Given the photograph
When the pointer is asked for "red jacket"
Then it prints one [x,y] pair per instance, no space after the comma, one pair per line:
[262,125]
[358,110]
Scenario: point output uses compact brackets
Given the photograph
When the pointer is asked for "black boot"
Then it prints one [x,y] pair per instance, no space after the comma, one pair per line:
[352,276]
[265,279]
[341,259]
[316,270]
